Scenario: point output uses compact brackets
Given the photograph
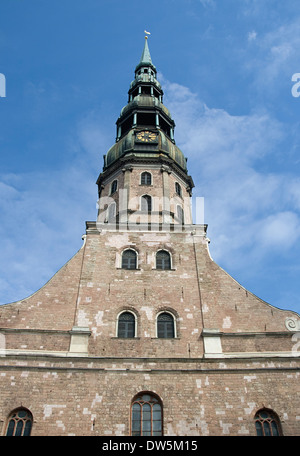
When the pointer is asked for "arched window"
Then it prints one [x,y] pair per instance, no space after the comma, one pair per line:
[126,325]
[267,423]
[114,187]
[165,326]
[19,423]
[146,178]
[129,259]
[180,214]
[146,203]
[178,189]
[163,260]
[146,415]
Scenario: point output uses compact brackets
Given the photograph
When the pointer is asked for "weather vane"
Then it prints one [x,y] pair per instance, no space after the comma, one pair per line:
[147,33]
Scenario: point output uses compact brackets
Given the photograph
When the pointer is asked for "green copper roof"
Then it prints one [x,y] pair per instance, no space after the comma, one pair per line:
[146,57]
[129,145]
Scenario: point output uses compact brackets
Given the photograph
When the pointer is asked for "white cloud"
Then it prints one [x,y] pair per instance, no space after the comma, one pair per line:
[275,59]
[252,36]
[280,230]
[43,214]
[250,213]
[247,209]
[207,3]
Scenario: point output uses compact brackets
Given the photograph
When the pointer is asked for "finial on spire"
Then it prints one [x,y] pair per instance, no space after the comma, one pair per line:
[147,33]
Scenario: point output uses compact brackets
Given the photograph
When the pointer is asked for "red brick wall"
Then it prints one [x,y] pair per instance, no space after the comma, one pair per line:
[83,398]
[91,394]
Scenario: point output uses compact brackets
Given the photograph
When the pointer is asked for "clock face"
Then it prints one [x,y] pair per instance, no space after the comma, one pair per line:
[146,136]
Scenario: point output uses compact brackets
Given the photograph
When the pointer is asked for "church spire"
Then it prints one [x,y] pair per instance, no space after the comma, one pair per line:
[145,162]
[145,119]
[146,57]
[145,60]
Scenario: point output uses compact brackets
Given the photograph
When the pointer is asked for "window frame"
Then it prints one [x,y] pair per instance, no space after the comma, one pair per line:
[170,257]
[127,311]
[180,214]
[112,185]
[144,173]
[136,259]
[111,212]
[266,422]
[165,331]
[152,402]
[25,420]
[178,189]
[147,198]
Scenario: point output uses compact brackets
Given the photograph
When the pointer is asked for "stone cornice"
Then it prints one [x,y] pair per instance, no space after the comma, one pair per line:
[238,357]
[93,227]
[134,158]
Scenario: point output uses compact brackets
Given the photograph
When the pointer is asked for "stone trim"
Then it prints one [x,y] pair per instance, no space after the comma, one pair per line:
[34,331]
[212,342]
[292,324]
[213,345]
[93,227]
[79,340]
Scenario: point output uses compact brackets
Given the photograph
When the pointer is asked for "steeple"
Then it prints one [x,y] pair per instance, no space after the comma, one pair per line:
[145,141]
[145,110]
[146,57]
[145,82]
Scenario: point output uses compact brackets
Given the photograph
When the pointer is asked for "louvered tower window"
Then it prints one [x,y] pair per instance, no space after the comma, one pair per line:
[180,215]
[126,325]
[146,203]
[146,178]
[114,187]
[178,189]
[111,212]
[165,326]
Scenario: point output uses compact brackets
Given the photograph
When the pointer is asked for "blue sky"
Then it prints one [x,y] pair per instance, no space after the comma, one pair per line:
[226,68]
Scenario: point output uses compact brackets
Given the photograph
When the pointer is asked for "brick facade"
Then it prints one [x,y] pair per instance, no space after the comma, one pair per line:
[230,355]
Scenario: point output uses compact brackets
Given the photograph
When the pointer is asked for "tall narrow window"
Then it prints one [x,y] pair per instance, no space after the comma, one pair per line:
[146,178]
[146,416]
[114,187]
[178,189]
[165,326]
[180,215]
[163,260]
[111,212]
[126,325]
[19,423]
[129,259]
[146,203]
[267,423]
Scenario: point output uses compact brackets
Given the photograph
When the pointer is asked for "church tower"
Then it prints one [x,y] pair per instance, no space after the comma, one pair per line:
[141,333]
[144,179]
